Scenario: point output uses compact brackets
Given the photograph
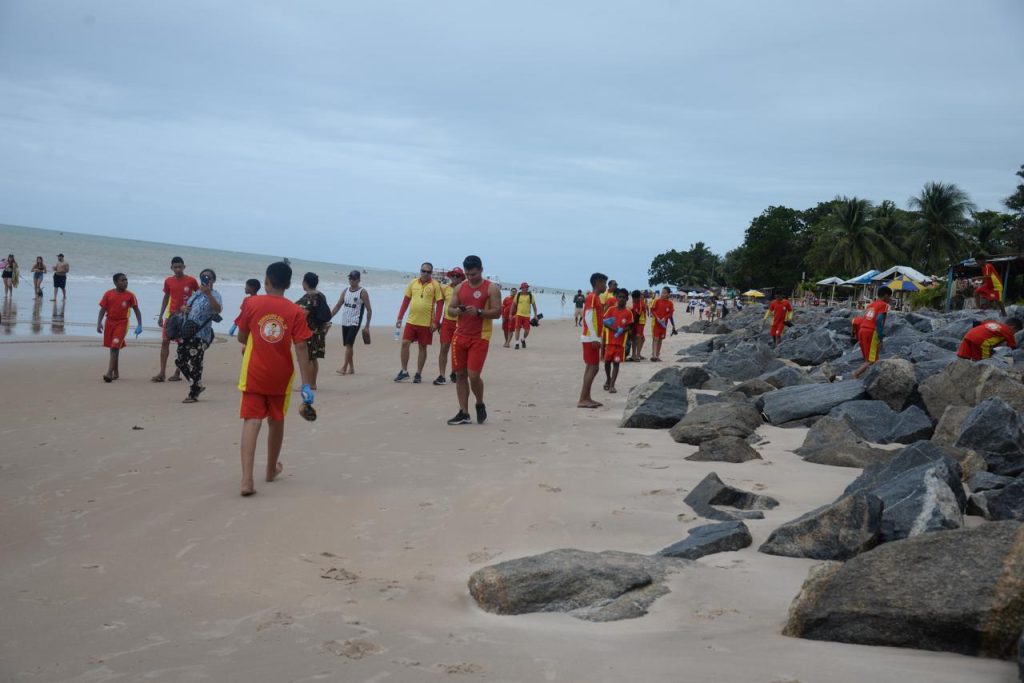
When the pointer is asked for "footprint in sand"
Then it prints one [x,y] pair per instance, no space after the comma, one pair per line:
[339,574]
[652,466]
[550,489]
[483,555]
[279,619]
[641,445]
[352,649]
[459,668]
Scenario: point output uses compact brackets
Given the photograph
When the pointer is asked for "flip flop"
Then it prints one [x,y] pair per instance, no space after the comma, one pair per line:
[172,378]
[156,378]
[190,399]
[108,379]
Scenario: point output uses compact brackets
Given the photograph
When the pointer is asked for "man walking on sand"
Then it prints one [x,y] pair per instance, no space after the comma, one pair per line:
[60,277]
[353,303]
[593,330]
[507,324]
[521,313]
[577,302]
[478,303]
[424,300]
[177,289]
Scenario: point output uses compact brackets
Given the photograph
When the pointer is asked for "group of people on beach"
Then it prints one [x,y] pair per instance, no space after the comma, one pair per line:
[11,275]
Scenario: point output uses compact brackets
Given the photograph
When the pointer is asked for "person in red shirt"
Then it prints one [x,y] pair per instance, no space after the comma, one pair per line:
[991,287]
[478,302]
[979,341]
[662,312]
[268,327]
[872,330]
[780,309]
[115,305]
[507,326]
[640,313]
[591,337]
[177,289]
[448,324]
[618,323]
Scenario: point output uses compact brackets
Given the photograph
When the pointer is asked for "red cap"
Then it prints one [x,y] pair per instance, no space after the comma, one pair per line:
[457,271]
[524,286]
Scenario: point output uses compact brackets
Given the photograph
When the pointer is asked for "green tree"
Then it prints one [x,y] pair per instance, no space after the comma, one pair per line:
[855,244]
[1015,203]
[891,222]
[696,266]
[938,234]
[990,231]
[772,250]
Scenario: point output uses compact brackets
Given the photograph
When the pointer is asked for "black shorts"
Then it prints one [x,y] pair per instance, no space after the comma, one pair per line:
[349,334]
[8,275]
[59,281]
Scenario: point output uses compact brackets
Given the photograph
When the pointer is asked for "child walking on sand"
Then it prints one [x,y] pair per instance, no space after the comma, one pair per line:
[268,327]
[115,305]
[618,322]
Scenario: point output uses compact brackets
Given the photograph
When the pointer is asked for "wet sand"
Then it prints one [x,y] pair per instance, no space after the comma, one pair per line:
[127,554]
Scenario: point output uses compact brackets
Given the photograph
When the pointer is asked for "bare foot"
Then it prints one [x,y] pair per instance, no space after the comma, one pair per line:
[176,377]
[313,387]
[156,378]
[248,488]
[589,404]
[108,379]
[612,390]
[271,476]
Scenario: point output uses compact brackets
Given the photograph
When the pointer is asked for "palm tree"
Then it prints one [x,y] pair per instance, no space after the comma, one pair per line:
[856,245]
[937,236]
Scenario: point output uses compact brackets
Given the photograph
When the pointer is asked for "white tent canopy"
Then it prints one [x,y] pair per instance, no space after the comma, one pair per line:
[862,279]
[904,271]
[831,281]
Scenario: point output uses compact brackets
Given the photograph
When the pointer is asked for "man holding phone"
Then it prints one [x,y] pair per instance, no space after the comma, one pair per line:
[478,303]
[177,290]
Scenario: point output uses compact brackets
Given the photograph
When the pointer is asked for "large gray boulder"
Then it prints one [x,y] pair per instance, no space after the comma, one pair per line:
[959,591]
[725,449]
[745,361]
[751,388]
[986,481]
[1008,502]
[924,352]
[996,431]
[712,421]
[833,441]
[920,488]
[659,405]
[839,531]
[891,380]
[947,431]
[881,424]
[786,376]
[713,491]
[966,383]
[603,586]
[691,377]
[708,539]
[794,403]
[811,349]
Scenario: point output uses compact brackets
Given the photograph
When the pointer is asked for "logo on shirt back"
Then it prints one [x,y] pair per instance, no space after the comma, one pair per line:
[271,328]
[993,327]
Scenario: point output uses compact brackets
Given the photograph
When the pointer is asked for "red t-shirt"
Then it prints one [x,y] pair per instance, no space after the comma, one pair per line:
[474,326]
[593,327]
[623,319]
[640,312]
[179,289]
[274,324]
[871,313]
[779,308]
[118,304]
[991,330]
[506,307]
[663,309]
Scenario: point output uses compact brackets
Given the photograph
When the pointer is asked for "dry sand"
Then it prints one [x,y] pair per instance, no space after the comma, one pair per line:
[126,553]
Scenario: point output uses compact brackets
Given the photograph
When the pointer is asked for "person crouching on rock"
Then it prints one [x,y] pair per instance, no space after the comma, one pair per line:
[979,341]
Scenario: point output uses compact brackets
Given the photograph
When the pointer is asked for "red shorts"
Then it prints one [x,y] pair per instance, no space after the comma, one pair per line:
[259,406]
[988,293]
[778,326]
[638,330]
[969,351]
[614,354]
[447,331]
[506,325]
[522,322]
[869,344]
[658,330]
[417,333]
[114,333]
[469,353]
[591,353]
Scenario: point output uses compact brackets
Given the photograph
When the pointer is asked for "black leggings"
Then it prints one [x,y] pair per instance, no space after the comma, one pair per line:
[190,360]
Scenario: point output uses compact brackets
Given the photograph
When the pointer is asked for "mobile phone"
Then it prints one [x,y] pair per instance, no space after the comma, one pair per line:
[204,279]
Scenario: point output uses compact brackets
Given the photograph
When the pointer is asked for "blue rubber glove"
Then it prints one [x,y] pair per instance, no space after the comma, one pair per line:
[231,332]
[608,322]
[619,331]
[307,395]
[138,330]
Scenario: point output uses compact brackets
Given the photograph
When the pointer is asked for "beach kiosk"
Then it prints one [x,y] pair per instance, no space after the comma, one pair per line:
[1007,267]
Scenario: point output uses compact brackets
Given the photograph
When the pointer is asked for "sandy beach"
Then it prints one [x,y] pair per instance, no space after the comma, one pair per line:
[126,553]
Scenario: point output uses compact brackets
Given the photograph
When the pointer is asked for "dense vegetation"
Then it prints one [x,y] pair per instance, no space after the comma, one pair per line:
[849,235]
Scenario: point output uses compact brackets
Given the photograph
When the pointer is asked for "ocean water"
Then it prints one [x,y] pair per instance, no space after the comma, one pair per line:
[94,259]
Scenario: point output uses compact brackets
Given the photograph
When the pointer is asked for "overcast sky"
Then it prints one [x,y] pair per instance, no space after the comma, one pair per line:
[551,138]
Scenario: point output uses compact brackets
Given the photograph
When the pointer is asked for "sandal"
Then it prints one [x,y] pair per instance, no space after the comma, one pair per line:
[172,378]
[190,399]
[157,378]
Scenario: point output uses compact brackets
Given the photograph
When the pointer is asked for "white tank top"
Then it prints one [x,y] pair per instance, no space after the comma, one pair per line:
[352,308]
